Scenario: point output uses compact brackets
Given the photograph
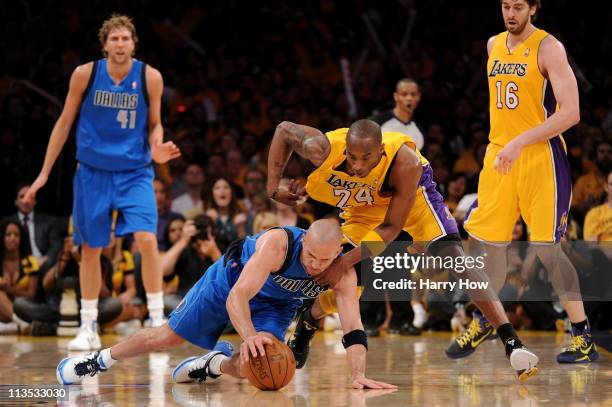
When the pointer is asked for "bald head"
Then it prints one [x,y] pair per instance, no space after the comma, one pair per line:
[363,130]
[321,245]
[325,232]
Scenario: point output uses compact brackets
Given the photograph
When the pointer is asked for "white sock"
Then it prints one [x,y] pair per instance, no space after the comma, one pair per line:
[417,307]
[106,358]
[155,304]
[214,366]
[20,322]
[89,313]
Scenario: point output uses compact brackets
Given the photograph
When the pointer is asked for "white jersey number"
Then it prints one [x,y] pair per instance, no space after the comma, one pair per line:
[362,195]
[510,95]
[122,117]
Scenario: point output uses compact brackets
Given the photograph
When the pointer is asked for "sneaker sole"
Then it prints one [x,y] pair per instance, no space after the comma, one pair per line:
[59,375]
[460,355]
[524,363]
[179,366]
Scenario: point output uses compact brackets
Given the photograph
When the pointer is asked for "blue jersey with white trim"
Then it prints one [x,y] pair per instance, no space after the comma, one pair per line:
[291,282]
[112,130]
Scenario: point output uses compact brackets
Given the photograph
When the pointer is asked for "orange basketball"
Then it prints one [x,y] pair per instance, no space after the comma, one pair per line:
[272,371]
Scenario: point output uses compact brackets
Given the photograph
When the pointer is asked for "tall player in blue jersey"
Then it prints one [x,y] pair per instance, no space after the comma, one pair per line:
[258,284]
[117,100]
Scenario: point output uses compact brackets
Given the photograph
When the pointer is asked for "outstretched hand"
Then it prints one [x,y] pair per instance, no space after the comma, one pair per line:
[253,345]
[294,194]
[164,152]
[331,275]
[30,194]
[365,383]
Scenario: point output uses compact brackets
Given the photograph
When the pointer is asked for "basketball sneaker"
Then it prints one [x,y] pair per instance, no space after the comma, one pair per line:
[465,344]
[196,367]
[72,370]
[522,360]
[303,334]
[86,339]
[582,349]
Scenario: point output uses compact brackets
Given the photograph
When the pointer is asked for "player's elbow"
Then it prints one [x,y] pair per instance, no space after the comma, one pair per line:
[283,128]
[574,116]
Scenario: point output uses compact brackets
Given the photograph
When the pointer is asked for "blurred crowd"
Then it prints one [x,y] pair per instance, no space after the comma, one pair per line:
[232,72]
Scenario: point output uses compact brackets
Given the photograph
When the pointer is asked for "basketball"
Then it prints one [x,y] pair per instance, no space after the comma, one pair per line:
[272,371]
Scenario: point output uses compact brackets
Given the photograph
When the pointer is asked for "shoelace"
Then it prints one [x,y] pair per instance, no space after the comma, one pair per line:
[88,367]
[199,370]
[468,335]
[577,343]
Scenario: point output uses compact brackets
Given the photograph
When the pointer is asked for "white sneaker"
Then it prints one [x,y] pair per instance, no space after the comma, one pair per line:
[73,370]
[420,316]
[196,367]
[8,328]
[86,339]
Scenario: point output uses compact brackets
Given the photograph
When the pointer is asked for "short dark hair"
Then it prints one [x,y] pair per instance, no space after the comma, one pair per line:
[531,3]
[365,129]
[406,80]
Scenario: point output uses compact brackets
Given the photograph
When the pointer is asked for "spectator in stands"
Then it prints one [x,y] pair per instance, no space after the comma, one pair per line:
[189,257]
[18,273]
[63,275]
[40,229]
[407,96]
[221,205]
[254,184]
[598,220]
[457,184]
[264,221]
[194,180]
[215,166]
[164,214]
[589,188]
[259,203]
[235,167]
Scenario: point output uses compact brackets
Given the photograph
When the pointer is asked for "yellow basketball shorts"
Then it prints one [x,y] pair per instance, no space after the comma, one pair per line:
[538,188]
[429,218]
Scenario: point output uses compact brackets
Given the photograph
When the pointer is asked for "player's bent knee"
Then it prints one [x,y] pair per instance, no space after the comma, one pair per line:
[166,337]
[146,240]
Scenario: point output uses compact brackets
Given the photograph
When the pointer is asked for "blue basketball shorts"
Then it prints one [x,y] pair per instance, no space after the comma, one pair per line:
[201,316]
[97,193]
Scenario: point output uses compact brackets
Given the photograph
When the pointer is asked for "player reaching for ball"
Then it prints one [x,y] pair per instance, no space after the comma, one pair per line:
[258,284]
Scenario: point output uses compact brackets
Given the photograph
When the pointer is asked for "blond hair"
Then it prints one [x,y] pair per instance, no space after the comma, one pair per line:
[264,220]
[116,21]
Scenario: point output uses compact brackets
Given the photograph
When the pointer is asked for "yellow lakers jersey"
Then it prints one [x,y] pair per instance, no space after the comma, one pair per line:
[520,97]
[331,184]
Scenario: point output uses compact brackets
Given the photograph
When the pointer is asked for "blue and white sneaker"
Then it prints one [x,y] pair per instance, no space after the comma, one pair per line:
[196,367]
[72,370]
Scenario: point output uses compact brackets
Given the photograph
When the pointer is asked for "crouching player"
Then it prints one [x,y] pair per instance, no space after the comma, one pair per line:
[258,284]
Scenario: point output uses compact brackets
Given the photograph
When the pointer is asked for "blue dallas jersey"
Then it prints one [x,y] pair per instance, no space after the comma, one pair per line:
[291,282]
[112,130]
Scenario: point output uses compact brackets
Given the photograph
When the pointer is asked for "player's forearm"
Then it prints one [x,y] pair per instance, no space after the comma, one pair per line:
[352,257]
[156,134]
[556,124]
[280,151]
[237,305]
[58,138]
[356,355]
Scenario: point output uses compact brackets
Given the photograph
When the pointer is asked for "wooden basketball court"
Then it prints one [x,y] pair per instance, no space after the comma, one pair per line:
[416,364]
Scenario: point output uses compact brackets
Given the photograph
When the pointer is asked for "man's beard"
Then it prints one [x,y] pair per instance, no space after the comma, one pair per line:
[518,29]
